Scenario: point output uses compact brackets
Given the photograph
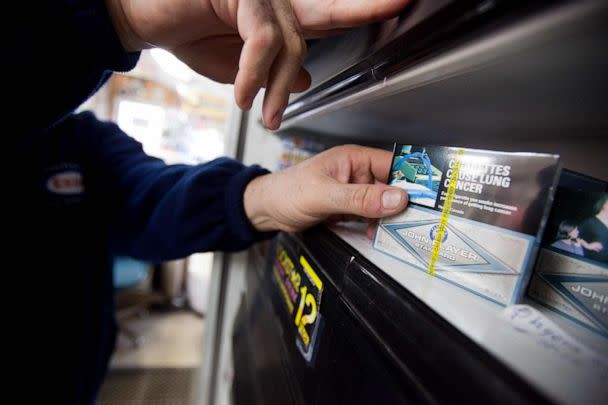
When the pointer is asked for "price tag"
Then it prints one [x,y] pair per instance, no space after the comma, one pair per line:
[307,318]
[301,290]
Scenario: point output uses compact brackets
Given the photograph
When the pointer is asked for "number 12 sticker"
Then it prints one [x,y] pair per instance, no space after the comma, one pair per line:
[308,318]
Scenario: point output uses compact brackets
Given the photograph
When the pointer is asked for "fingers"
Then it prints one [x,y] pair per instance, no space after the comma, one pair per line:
[378,162]
[358,164]
[335,14]
[254,65]
[287,66]
[250,80]
[274,46]
[272,56]
[263,41]
[365,200]
[302,81]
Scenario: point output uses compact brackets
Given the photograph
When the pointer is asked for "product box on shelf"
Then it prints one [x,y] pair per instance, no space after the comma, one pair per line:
[475,217]
[571,274]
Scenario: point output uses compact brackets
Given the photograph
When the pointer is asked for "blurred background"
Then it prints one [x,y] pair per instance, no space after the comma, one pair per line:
[179,117]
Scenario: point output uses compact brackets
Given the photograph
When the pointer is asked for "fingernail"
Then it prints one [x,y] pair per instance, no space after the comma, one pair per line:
[276,119]
[391,199]
[248,102]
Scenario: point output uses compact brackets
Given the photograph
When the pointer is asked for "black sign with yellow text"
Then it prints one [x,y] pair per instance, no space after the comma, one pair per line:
[301,290]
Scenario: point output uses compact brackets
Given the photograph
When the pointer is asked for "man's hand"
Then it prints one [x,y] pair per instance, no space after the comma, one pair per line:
[251,43]
[342,182]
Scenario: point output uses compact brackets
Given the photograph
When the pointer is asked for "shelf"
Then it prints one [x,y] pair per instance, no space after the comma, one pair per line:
[537,83]
[524,350]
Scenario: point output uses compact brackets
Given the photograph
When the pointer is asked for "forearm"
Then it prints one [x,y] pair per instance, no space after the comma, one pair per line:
[255,204]
[160,212]
[173,211]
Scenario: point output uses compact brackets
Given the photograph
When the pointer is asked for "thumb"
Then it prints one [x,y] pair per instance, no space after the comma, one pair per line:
[366,200]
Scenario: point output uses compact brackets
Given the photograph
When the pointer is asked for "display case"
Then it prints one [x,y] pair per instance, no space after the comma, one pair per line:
[375,342]
[512,76]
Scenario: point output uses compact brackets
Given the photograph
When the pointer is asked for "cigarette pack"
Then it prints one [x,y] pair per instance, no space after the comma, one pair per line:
[475,217]
[571,274]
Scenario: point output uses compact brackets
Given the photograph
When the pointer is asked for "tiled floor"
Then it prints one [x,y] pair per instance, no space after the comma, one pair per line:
[163,369]
[169,340]
[149,386]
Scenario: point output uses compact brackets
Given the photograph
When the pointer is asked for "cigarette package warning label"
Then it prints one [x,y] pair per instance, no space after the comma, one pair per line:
[475,217]
[571,275]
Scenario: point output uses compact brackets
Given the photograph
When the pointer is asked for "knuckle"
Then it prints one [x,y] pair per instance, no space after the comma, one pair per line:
[337,150]
[364,200]
[353,147]
[296,48]
[267,36]
[348,148]
[343,152]
[291,228]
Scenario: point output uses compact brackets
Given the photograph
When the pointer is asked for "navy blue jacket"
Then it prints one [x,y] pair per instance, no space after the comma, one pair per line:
[84,191]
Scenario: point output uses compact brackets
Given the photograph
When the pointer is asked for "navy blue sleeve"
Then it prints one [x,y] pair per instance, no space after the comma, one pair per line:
[160,212]
[61,53]
[64,51]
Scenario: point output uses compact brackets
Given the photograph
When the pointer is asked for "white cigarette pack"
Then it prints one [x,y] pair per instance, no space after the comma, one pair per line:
[494,213]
